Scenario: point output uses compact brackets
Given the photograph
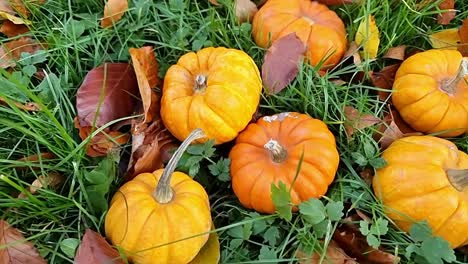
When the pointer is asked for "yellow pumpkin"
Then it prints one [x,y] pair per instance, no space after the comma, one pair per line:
[431,92]
[426,178]
[160,217]
[215,89]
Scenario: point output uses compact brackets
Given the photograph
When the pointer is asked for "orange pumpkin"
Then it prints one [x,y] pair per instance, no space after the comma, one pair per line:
[215,89]
[319,28]
[431,92]
[426,178]
[270,150]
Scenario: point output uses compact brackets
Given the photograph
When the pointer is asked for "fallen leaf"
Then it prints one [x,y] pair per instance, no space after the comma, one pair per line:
[146,70]
[393,129]
[245,10]
[384,79]
[334,255]
[448,8]
[354,120]
[214,2]
[113,12]
[363,216]
[114,84]
[396,53]
[445,39]
[11,29]
[103,142]
[149,149]
[210,252]
[281,63]
[367,36]
[353,51]
[367,175]
[15,249]
[52,180]
[337,2]
[95,249]
[37,157]
[31,107]
[463,33]
[11,51]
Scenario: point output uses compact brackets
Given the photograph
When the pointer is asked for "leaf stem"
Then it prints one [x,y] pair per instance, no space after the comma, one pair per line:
[449,86]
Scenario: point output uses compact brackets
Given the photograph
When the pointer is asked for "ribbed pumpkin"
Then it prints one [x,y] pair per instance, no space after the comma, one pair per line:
[426,178]
[431,92]
[215,89]
[319,28]
[152,211]
[269,151]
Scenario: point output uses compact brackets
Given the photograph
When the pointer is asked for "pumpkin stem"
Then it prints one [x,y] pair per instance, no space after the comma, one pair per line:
[164,193]
[200,83]
[277,152]
[458,178]
[450,85]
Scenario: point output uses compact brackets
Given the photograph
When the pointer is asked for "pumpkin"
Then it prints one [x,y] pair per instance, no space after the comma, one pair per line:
[270,150]
[426,178]
[431,92]
[215,89]
[319,28]
[161,217]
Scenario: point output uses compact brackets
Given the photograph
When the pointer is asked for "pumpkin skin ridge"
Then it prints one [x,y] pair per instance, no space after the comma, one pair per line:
[252,187]
[459,205]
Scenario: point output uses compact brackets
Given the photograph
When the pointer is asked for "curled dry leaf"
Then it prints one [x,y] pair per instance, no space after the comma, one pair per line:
[396,53]
[95,249]
[445,39]
[367,36]
[113,12]
[393,129]
[384,79]
[52,180]
[11,29]
[31,107]
[113,83]
[11,51]
[334,255]
[367,175]
[281,63]
[448,12]
[245,10]
[337,2]
[14,249]
[103,142]
[354,120]
[146,70]
[463,33]
[353,51]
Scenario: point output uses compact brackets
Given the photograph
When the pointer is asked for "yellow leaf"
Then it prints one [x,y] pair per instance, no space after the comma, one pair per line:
[445,39]
[209,254]
[14,19]
[113,12]
[367,35]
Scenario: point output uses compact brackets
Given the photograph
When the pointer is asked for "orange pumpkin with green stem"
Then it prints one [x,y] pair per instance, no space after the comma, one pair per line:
[270,150]
[319,28]
[426,178]
[162,216]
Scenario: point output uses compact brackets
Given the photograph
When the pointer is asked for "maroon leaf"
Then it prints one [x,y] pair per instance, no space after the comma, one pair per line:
[384,79]
[281,63]
[14,249]
[463,32]
[448,12]
[95,249]
[118,85]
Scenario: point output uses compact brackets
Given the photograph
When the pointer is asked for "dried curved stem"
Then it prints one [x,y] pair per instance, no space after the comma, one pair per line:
[277,152]
[449,86]
[200,83]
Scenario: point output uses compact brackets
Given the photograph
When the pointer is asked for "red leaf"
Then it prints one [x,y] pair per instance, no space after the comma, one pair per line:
[463,32]
[95,249]
[120,87]
[448,8]
[354,120]
[396,53]
[281,63]
[14,249]
[11,29]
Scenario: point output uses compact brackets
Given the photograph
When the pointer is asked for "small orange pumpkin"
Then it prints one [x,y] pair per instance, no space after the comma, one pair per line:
[431,92]
[426,178]
[319,28]
[270,150]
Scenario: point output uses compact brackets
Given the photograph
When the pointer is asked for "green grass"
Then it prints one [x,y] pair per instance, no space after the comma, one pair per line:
[77,43]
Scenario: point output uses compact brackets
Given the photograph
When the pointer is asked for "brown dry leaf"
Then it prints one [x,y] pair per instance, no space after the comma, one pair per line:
[445,39]
[14,249]
[367,175]
[281,63]
[335,255]
[396,53]
[101,143]
[393,129]
[11,51]
[95,249]
[52,180]
[245,10]
[214,2]
[31,107]
[119,99]
[353,51]
[368,37]
[384,79]
[113,12]
[463,33]
[448,8]
[34,160]
[338,2]
[354,120]
[11,29]
[146,70]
